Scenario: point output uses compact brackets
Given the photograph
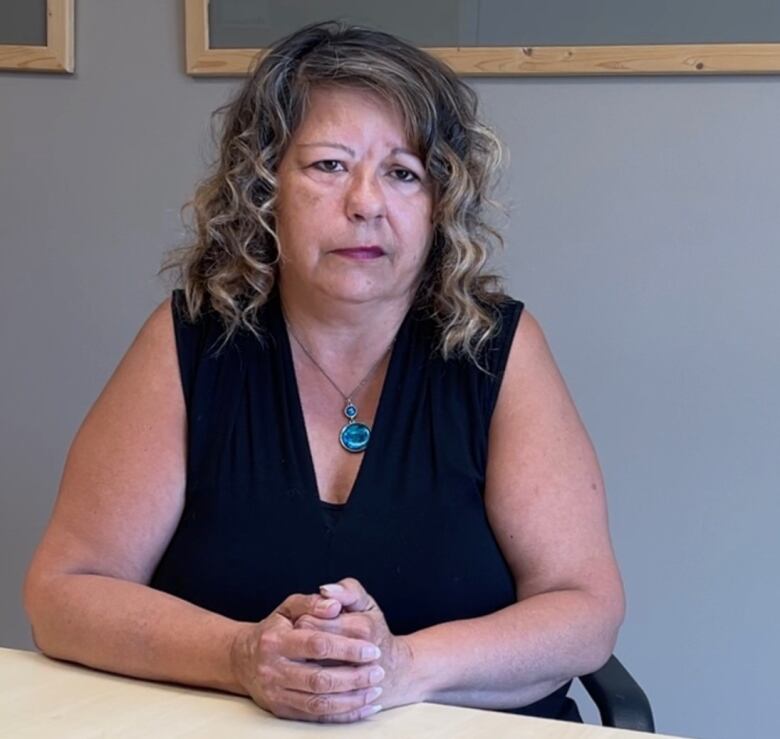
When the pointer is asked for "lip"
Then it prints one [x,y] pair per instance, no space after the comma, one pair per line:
[361,252]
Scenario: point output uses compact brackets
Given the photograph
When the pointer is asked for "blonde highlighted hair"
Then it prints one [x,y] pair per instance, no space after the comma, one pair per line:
[231,262]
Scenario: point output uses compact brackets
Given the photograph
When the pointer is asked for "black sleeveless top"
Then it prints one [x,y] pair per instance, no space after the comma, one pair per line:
[414,530]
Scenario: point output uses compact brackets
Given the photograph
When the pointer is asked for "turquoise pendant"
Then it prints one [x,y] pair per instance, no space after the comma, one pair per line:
[354,435]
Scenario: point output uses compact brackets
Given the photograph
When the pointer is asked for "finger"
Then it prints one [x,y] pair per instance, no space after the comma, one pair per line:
[315,679]
[332,707]
[353,625]
[300,644]
[350,594]
[340,718]
[295,606]
[351,716]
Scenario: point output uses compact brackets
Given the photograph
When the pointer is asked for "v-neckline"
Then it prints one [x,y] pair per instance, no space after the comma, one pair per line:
[377,428]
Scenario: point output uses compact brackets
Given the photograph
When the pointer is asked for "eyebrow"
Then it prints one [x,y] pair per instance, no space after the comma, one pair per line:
[396,150]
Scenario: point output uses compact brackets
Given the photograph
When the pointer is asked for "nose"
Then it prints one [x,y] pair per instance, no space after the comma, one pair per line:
[365,200]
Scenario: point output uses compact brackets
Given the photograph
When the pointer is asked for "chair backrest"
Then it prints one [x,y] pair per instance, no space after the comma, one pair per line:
[618,697]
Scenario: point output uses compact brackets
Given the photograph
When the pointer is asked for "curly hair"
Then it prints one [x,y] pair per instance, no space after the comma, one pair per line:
[231,263]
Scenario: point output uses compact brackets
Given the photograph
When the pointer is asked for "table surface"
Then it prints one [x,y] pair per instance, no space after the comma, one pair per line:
[40,697]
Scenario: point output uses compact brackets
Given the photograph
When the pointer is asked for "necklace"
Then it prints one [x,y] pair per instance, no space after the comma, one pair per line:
[354,435]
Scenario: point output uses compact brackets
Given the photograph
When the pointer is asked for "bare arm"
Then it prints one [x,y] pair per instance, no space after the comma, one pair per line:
[120,499]
[546,505]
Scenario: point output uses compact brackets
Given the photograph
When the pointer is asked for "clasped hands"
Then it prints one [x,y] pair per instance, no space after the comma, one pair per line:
[327,657]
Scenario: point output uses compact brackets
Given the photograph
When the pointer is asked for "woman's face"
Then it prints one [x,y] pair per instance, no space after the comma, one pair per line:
[354,204]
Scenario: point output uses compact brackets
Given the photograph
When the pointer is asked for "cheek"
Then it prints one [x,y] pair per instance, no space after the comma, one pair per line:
[300,214]
[295,193]
[416,217]
[311,197]
[422,230]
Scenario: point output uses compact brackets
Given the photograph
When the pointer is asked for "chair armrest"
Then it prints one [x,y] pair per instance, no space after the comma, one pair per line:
[620,700]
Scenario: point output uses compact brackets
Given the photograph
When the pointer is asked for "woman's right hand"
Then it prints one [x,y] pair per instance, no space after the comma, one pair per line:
[305,674]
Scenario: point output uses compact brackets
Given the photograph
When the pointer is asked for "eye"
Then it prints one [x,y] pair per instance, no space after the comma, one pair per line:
[405,175]
[328,165]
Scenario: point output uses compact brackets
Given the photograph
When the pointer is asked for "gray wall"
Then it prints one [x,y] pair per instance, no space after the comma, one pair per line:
[643,234]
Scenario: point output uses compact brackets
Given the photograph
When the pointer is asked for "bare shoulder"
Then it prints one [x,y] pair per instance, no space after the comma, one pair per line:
[532,390]
[530,359]
[122,488]
[544,490]
[147,373]
[159,325]
[155,339]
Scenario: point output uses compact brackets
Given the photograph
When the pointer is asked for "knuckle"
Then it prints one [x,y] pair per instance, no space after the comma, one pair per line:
[267,641]
[291,601]
[274,696]
[305,622]
[321,682]
[268,699]
[318,646]
[319,705]
[294,605]
[264,673]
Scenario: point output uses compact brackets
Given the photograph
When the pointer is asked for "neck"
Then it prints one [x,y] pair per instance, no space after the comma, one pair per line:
[335,330]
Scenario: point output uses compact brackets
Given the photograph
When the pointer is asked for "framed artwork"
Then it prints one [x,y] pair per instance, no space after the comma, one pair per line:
[37,35]
[512,37]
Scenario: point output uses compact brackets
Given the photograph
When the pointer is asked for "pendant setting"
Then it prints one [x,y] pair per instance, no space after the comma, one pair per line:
[354,435]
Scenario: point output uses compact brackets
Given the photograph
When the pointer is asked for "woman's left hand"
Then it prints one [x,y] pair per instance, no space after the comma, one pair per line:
[360,617]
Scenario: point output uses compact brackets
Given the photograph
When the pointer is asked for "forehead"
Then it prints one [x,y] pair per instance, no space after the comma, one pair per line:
[353,112]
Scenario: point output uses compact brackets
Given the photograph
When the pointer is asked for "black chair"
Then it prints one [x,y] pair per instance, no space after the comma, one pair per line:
[621,702]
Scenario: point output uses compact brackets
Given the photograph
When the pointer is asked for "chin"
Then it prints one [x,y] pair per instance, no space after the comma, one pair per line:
[360,291]
[357,295]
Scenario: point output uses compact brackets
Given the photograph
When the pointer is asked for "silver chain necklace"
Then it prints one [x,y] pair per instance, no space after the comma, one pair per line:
[354,435]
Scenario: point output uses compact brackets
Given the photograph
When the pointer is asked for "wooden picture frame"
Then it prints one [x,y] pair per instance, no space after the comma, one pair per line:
[665,59]
[58,53]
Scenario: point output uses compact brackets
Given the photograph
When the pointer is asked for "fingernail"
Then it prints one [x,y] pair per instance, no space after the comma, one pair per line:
[376,675]
[373,694]
[331,589]
[370,653]
[370,710]
[323,605]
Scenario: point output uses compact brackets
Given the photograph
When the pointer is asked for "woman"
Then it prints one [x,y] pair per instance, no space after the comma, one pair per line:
[339,471]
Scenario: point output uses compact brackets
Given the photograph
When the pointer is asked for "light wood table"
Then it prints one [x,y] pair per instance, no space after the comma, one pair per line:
[40,697]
